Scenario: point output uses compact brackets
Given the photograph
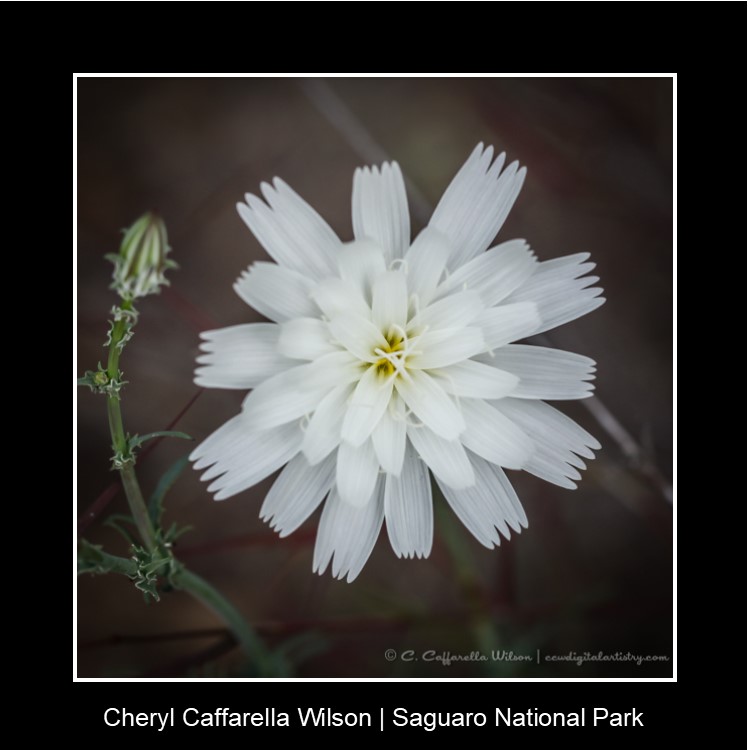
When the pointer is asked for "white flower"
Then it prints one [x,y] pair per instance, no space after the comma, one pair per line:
[389,360]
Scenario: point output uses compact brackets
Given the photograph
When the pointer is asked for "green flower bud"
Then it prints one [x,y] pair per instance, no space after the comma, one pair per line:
[142,261]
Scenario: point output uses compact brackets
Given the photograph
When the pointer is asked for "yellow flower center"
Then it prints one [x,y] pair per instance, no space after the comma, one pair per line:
[390,355]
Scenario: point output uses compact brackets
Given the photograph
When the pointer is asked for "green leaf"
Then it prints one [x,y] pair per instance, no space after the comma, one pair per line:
[156,502]
[138,440]
[116,522]
[99,381]
[92,559]
[88,380]
[174,533]
[148,564]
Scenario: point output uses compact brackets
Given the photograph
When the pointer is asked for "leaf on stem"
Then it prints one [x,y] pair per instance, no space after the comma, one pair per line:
[136,441]
[156,501]
[116,522]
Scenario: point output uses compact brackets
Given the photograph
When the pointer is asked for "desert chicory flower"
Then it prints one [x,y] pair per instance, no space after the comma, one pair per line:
[389,359]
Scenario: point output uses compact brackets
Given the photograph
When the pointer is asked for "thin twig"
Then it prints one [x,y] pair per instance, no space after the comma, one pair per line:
[273,628]
[330,105]
[196,317]
[174,635]
[632,450]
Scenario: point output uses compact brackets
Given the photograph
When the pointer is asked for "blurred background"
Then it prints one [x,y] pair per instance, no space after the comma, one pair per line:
[592,573]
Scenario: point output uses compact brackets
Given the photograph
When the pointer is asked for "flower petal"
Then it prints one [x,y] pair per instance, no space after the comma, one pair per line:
[218,442]
[456,310]
[489,506]
[304,226]
[431,404]
[447,459]
[493,436]
[545,373]
[557,437]
[291,231]
[559,292]
[359,335]
[297,492]
[408,508]
[244,456]
[356,473]
[347,534]
[366,407]
[277,292]
[323,432]
[557,425]
[335,297]
[305,338]
[390,301]
[240,356]
[475,518]
[476,204]
[447,346]
[389,437]
[360,263]
[425,263]
[504,491]
[494,275]
[472,379]
[380,211]
[297,391]
[507,323]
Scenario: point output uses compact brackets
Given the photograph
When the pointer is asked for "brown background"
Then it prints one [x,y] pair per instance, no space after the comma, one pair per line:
[593,571]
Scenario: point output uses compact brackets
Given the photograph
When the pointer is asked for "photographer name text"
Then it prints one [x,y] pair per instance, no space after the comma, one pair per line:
[386,719]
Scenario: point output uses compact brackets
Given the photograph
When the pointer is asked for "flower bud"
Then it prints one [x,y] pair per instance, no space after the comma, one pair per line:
[142,260]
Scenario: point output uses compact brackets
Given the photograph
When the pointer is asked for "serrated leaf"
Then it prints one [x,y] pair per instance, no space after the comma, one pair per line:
[92,559]
[138,440]
[148,587]
[116,522]
[168,478]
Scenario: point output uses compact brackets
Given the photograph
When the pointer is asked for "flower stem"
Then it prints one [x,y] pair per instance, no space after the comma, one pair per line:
[183,579]
[480,623]
[205,593]
[119,439]
[138,507]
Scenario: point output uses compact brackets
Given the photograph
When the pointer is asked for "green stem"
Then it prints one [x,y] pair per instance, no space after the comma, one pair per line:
[481,624]
[93,559]
[120,441]
[205,593]
[138,506]
[184,579]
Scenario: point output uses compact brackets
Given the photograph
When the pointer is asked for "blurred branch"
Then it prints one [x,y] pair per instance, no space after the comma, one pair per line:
[637,456]
[522,615]
[332,107]
[194,315]
[177,635]
[287,628]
